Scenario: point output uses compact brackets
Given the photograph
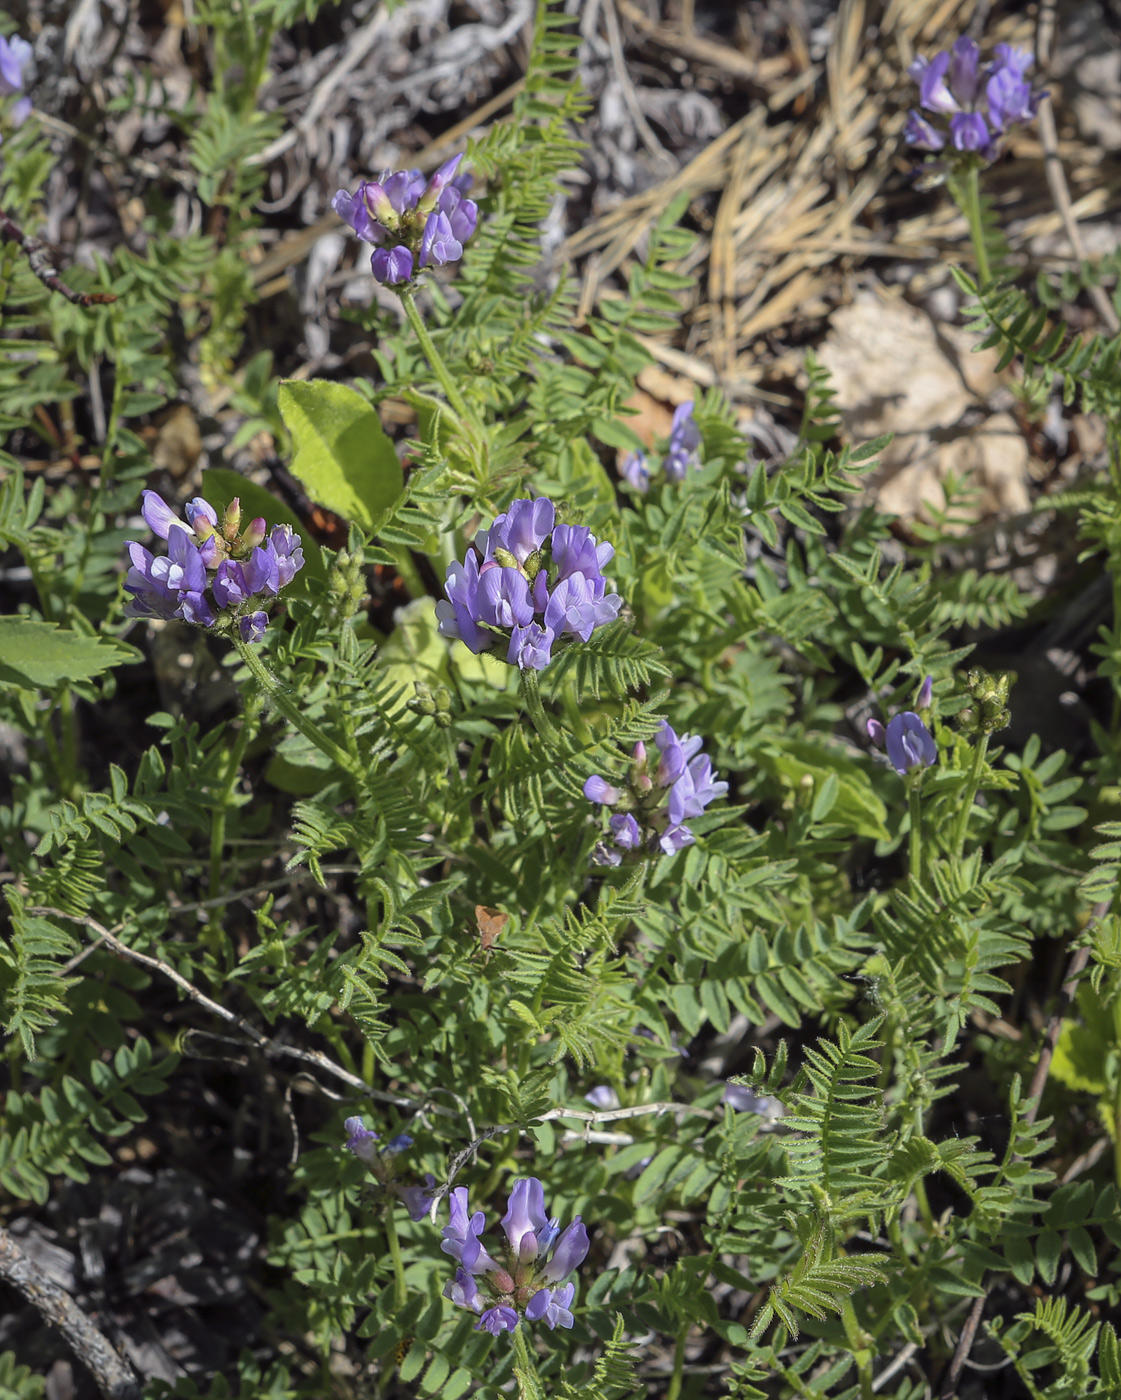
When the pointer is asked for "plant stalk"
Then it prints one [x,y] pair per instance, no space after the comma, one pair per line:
[433,356]
[400,1292]
[972,212]
[307,727]
[961,822]
[529,1382]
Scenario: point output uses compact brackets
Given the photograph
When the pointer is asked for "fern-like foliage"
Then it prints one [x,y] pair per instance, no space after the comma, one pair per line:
[32,984]
[821,1282]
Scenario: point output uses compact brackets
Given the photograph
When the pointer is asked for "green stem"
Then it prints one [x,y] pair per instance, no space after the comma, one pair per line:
[914,842]
[221,807]
[972,212]
[676,1380]
[308,728]
[860,1345]
[972,782]
[432,355]
[400,1292]
[531,694]
[529,1382]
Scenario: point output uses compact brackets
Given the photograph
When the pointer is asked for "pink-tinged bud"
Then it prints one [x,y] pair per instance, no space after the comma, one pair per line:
[427,202]
[255,532]
[640,754]
[232,518]
[926,694]
[876,732]
[502,1281]
[527,1250]
[377,202]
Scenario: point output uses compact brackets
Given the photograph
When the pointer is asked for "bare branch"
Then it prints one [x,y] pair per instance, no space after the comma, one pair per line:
[114,1376]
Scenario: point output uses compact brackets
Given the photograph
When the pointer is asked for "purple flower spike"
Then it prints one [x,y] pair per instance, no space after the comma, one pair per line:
[392,266]
[970,106]
[361,1140]
[531,582]
[909,744]
[597,790]
[496,1320]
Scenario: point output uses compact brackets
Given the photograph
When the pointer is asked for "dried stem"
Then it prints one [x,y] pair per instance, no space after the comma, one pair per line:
[114,1376]
[39,260]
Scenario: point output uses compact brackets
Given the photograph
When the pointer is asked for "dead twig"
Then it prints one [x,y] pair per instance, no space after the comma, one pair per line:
[114,1376]
[1053,165]
[39,260]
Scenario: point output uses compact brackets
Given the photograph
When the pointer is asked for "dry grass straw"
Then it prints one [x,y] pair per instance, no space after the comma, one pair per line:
[802,201]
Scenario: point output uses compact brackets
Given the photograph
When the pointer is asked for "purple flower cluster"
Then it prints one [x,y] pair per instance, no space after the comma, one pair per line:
[412,224]
[970,105]
[529,1280]
[360,1140]
[214,573]
[15,60]
[528,582]
[681,451]
[639,819]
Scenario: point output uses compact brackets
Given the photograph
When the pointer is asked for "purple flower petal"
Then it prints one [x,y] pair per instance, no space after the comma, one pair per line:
[910,745]
[625,830]
[392,266]
[597,790]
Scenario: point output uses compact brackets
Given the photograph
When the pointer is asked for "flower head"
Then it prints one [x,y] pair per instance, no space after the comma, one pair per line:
[658,795]
[910,745]
[412,224]
[529,583]
[212,575]
[522,1282]
[970,106]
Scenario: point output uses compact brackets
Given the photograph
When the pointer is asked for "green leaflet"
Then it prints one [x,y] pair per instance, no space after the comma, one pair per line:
[343,456]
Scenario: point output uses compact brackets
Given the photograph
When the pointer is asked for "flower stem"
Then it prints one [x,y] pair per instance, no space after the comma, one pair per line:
[432,355]
[218,816]
[531,694]
[972,212]
[675,1381]
[291,712]
[914,843]
[529,1382]
[972,783]
[400,1292]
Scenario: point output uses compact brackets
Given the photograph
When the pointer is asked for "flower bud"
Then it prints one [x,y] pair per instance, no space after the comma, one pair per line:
[926,694]
[254,532]
[231,520]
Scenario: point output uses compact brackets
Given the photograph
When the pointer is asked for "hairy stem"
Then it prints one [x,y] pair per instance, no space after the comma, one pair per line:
[914,840]
[291,712]
[972,212]
[972,782]
[218,819]
[529,1382]
[400,1292]
[432,355]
